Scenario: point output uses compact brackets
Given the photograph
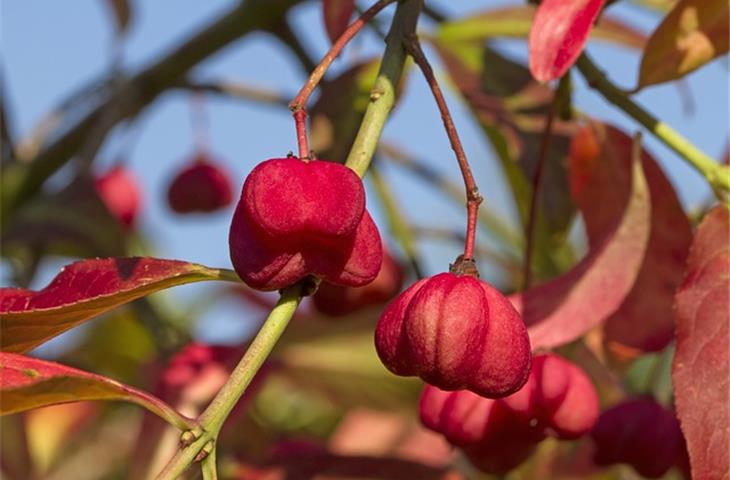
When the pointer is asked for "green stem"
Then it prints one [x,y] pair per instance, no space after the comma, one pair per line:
[211,420]
[383,94]
[208,466]
[718,176]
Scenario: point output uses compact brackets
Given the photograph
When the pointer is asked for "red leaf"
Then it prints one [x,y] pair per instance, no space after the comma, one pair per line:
[694,33]
[86,289]
[559,32]
[28,383]
[337,14]
[567,307]
[701,366]
[600,167]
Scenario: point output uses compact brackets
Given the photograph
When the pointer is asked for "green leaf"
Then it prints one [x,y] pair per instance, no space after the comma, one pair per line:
[692,34]
[27,383]
[86,289]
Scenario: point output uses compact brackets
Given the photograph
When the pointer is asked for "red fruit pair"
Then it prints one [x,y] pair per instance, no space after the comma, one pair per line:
[499,434]
[298,218]
[202,186]
[336,300]
[455,332]
[641,433]
[119,191]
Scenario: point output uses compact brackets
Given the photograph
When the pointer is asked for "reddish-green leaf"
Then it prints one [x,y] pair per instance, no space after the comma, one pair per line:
[694,32]
[515,22]
[701,369]
[86,289]
[559,32]
[28,383]
[567,307]
[337,15]
[600,167]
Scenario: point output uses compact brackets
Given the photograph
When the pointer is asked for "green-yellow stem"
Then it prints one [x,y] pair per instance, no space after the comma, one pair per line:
[211,420]
[718,176]
[383,94]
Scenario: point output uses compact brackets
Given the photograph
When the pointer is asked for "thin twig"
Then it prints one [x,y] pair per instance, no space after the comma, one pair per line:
[298,105]
[473,199]
[536,184]
[493,224]
[300,101]
[383,93]
[718,176]
[237,90]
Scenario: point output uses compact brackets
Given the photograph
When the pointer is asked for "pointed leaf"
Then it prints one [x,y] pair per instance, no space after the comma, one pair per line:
[337,14]
[28,383]
[701,366]
[86,289]
[516,21]
[559,32]
[567,307]
[694,32]
[600,165]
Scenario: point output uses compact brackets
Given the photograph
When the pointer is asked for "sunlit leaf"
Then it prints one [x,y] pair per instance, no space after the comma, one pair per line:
[515,22]
[567,307]
[694,32]
[86,289]
[337,15]
[600,163]
[701,370]
[559,32]
[28,383]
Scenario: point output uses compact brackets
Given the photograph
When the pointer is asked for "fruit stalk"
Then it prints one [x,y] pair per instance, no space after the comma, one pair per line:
[298,105]
[473,198]
[211,420]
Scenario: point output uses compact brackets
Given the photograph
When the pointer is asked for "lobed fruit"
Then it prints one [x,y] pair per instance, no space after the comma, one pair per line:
[455,332]
[337,300]
[298,218]
[642,433]
[201,186]
[499,434]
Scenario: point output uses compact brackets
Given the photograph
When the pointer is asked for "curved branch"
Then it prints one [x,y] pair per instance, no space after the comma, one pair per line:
[20,182]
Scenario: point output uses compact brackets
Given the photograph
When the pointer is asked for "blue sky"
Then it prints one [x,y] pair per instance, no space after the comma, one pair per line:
[49,48]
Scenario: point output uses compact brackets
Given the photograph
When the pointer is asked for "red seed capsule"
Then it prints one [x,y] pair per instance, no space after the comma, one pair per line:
[299,218]
[120,193]
[202,186]
[336,300]
[641,433]
[455,332]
